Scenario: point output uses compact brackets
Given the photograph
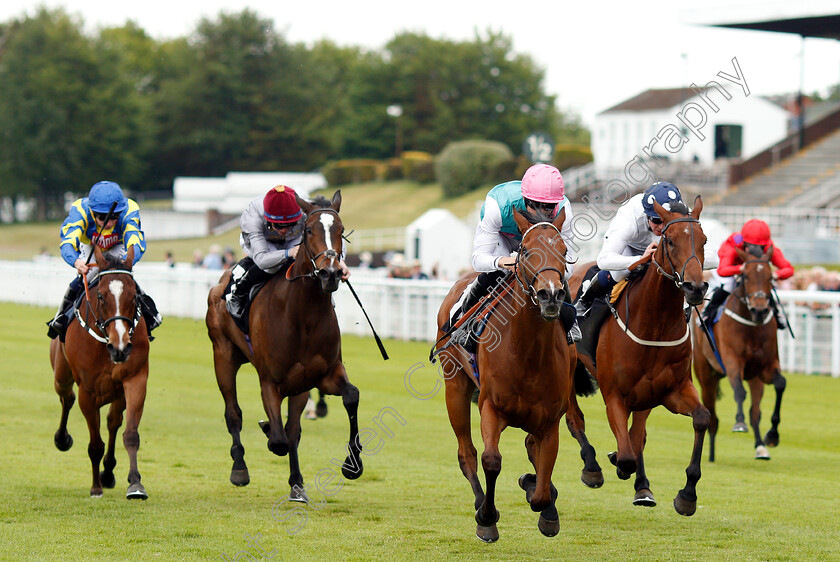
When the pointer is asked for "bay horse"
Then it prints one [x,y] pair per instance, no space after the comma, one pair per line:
[745,337]
[643,355]
[525,372]
[295,346]
[106,353]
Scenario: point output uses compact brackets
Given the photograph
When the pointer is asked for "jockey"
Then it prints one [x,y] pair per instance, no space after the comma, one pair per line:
[633,234]
[87,216]
[497,237]
[272,230]
[755,234]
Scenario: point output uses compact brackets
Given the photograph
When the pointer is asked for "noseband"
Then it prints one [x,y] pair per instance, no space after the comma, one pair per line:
[528,287]
[678,276]
[747,297]
[102,325]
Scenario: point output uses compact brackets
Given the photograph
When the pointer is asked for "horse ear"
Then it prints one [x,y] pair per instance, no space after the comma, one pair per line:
[661,211]
[521,222]
[101,262]
[129,258]
[560,219]
[768,254]
[305,205]
[698,207]
[336,201]
[742,254]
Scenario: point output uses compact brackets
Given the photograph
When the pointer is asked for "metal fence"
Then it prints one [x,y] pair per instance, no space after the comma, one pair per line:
[404,309]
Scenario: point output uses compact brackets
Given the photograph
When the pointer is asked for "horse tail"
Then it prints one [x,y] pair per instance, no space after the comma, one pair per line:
[585,383]
[718,391]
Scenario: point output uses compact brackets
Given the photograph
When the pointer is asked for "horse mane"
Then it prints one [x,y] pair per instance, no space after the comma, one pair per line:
[754,250]
[537,215]
[320,201]
[113,262]
[680,207]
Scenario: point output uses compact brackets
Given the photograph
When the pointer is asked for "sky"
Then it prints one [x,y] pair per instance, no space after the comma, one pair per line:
[595,53]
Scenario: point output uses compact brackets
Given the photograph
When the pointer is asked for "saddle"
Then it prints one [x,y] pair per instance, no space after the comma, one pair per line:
[243,321]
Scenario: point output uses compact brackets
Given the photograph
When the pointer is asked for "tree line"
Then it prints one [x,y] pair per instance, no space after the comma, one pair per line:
[235,95]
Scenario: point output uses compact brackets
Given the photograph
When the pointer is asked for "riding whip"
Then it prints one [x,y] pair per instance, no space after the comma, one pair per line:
[375,335]
[784,312]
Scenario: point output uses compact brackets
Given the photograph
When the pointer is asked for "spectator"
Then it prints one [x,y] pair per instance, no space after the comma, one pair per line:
[416,271]
[213,260]
[365,260]
[228,258]
[198,258]
[170,260]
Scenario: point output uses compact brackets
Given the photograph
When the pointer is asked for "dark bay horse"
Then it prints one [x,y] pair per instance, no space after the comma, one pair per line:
[746,340]
[525,368]
[106,353]
[643,357]
[295,345]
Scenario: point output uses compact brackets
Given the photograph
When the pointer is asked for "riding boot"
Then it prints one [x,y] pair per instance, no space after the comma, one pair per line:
[717,299]
[150,312]
[480,287]
[781,321]
[568,317]
[58,325]
[245,275]
[600,286]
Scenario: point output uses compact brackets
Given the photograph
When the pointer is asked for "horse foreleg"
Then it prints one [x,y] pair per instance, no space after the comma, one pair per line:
[591,474]
[64,388]
[293,432]
[352,467]
[709,380]
[96,448]
[756,394]
[135,398]
[624,459]
[740,394]
[687,403]
[225,370]
[459,391]
[772,437]
[491,461]
[638,438]
[545,494]
[115,418]
[272,399]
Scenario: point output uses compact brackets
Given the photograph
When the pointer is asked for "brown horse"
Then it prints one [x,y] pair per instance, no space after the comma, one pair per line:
[745,338]
[106,353]
[525,369]
[643,356]
[295,345]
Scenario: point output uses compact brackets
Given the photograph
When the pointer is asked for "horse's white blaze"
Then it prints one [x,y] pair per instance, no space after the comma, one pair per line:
[760,267]
[116,288]
[327,220]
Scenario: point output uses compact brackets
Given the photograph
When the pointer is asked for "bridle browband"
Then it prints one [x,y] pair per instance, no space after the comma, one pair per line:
[755,294]
[528,287]
[102,325]
[678,277]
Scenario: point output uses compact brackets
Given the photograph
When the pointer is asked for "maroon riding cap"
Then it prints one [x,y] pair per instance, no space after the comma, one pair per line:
[280,205]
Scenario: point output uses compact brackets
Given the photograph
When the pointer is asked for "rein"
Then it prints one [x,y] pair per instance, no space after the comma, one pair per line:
[677,276]
[529,287]
[102,325]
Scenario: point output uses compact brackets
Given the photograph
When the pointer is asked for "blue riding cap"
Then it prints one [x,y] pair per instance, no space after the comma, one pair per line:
[103,194]
[663,193]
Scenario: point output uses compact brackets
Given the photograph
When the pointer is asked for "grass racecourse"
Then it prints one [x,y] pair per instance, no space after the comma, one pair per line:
[412,503]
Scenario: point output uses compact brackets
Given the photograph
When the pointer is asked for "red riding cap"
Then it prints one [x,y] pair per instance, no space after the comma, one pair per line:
[756,232]
[280,206]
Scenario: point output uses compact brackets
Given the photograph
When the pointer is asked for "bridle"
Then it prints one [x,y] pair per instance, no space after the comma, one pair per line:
[747,297]
[102,325]
[329,254]
[678,277]
[528,286]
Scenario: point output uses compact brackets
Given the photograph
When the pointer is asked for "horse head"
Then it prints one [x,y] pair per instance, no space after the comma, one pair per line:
[116,308]
[680,252]
[322,240]
[541,261]
[756,283]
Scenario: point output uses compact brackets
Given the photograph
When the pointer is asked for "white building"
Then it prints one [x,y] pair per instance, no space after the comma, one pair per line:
[685,125]
[441,242]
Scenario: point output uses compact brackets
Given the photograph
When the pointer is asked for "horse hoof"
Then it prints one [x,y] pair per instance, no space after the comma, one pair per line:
[63,443]
[298,494]
[528,482]
[771,440]
[644,498]
[740,427]
[592,479]
[96,493]
[265,426]
[321,409]
[683,506]
[487,534]
[107,479]
[547,527]
[136,492]
[761,453]
[352,467]
[240,477]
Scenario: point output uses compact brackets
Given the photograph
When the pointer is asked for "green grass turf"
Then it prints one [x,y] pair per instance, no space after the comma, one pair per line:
[411,503]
